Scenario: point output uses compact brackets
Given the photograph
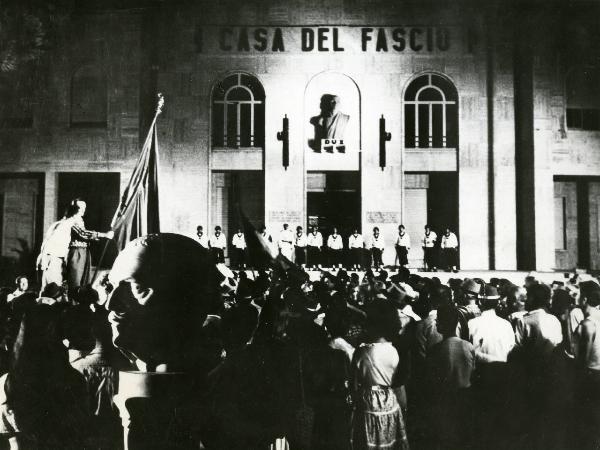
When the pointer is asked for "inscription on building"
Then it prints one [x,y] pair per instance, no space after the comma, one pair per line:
[383,217]
[291,217]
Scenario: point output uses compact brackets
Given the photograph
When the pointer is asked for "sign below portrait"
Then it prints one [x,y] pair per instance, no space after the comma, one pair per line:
[383,217]
[291,217]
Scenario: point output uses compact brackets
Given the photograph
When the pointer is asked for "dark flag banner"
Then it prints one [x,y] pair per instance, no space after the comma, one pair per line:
[138,214]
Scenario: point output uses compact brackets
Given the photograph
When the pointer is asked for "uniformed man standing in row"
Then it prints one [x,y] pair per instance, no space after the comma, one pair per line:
[377,248]
[335,245]
[356,246]
[429,239]
[286,242]
[238,244]
[202,238]
[300,243]
[218,244]
[315,244]
[449,247]
[402,246]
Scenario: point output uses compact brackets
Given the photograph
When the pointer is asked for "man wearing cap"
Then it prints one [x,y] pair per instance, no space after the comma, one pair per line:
[300,243]
[377,247]
[238,244]
[218,244]
[356,247]
[402,246]
[286,242]
[314,242]
[335,246]
[449,247]
[467,305]
[202,238]
[428,242]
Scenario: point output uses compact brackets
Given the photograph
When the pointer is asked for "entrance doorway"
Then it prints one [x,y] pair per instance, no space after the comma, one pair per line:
[333,200]
[577,222]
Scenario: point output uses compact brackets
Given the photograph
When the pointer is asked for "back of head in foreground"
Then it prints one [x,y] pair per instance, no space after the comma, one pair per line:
[163,285]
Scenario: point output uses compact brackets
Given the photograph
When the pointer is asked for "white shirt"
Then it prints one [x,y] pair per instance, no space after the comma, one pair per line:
[377,242]
[218,241]
[315,240]
[355,241]
[286,238]
[429,240]
[403,240]
[449,241]
[203,240]
[57,240]
[540,330]
[492,337]
[335,242]
[300,241]
[238,241]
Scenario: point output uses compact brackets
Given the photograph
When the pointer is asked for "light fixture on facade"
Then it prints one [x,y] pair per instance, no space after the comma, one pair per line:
[384,137]
[284,137]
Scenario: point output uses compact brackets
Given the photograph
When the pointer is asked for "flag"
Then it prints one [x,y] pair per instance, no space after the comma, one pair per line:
[137,214]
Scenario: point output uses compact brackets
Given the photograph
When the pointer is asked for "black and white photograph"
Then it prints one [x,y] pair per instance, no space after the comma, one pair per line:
[299,224]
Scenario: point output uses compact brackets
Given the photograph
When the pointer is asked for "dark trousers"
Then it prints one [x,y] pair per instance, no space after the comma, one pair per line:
[356,255]
[429,257]
[78,268]
[218,255]
[402,254]
[300,253]
[238,257]
[376,255]
[335,257]
[314,256]
[450,257]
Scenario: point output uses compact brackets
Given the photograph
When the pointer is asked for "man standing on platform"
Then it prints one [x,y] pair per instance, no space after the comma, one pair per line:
[377,248]
[300,243]
[429,240]
[238,242]
[402,246]
[79,259]
[335,245]
[202,238]
[356,245]
[286,242]
[217,244]
[315,243]
[450,250]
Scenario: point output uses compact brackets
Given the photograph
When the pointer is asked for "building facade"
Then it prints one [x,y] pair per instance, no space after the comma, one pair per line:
[346,113]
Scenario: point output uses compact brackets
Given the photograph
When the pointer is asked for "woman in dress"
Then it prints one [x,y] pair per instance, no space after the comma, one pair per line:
[378,422]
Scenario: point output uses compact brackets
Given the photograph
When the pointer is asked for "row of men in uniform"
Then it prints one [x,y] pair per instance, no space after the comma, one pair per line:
[312,251]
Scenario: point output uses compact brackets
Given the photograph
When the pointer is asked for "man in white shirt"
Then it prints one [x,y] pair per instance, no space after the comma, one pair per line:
[428,242]
[449,247]
[53,254]
[286,242]
[300,243]
[217,244]
[377,248]
[335,245]
[202,238]
[238,244]
[314,242]
[356,246]
[402,246]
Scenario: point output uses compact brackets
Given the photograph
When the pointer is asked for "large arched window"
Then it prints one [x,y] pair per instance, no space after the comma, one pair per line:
[583,99]
[238,116]
[431,113]
[89,97]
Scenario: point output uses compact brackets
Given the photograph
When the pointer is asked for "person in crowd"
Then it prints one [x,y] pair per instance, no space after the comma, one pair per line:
[451,363]
[300,243]
[428,243]
[22,285]
[52,260]
[314,246]
[286,242]
[79,260]
[449,246]
[378,420]
[238,244]
[202,238]
[335,248]
[377,245]
[52,294]
[402,246]
[217,244]
[468,308]
[43,400]
[356,247]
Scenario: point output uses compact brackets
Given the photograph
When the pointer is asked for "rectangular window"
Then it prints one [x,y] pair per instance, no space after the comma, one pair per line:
[560,223]
[583,119]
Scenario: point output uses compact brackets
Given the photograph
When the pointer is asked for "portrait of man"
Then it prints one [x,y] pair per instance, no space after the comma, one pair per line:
[330,123]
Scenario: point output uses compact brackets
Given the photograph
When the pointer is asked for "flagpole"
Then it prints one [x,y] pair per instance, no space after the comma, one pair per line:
[159,106]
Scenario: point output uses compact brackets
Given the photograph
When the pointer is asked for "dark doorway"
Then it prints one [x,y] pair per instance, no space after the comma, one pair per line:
[100,190]
[442,201]
[333,200]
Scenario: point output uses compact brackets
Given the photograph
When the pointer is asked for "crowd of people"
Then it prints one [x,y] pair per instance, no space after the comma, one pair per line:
[378,362]
[354,252]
